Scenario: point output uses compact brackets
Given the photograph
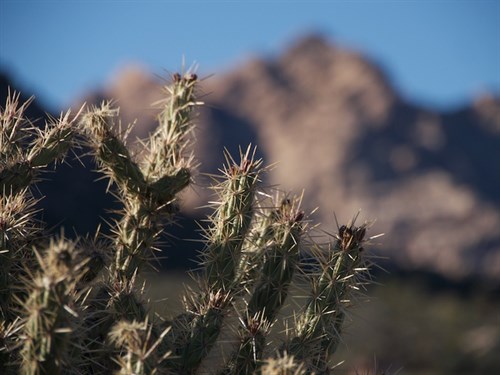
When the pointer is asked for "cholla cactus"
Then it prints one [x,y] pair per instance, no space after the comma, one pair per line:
[283,229]
[52,334]
[319,327]
[18,230]
[24,151]
[195,332]
[148,189]
[78,307]
[25,148]
[231,222]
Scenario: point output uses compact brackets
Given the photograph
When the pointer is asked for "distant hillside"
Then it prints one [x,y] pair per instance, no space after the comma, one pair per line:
[339,130]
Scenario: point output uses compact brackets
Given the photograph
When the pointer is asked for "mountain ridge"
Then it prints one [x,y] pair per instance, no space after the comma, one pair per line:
[340,130]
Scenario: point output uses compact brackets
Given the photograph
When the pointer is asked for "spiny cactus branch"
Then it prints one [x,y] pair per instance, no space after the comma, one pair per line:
[137,347]
[231,221]
[24,148]
[279,261]
[51,332]
[167,147]
[320,325]
[110,150]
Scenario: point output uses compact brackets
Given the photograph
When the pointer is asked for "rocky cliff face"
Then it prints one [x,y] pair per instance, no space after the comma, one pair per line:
[331,120]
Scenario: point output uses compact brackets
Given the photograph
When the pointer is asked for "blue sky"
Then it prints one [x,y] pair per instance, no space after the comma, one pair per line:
[437,53]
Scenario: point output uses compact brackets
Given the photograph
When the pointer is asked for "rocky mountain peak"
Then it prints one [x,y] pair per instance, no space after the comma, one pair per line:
[337,128]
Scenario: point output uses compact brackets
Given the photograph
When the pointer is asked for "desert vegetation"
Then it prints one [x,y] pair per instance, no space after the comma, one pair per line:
[78,305]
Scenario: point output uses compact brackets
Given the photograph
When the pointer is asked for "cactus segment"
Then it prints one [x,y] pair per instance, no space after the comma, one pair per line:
[280,261]
[52,328]
[231,221]
[320,325]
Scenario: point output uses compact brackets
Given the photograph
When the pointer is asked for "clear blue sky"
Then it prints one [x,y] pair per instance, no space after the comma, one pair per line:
[438,53]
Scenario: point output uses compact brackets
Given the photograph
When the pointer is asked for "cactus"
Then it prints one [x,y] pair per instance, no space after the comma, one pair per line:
[219,284]
[280,260]
[138,354]
[51,332]
[319,327]
[231,222]
[283,365]
[20,163]
[77,306]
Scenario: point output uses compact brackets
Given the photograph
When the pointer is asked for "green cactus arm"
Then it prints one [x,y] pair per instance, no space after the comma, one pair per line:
[231,222]
[19,161]
[258,239]
[166,151]
[195,331]
[279,265]
[205,328]
[135,237]
[110,151]
[18,231]
[15,176]
[339,274]
[166,188]
[166,174]
[15,128]
[320,325]
[280,262]
[246,359]
[54,142]
[148,198]
[201,325]
[51,334]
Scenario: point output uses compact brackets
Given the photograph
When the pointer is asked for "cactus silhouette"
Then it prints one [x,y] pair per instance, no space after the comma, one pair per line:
[76,306]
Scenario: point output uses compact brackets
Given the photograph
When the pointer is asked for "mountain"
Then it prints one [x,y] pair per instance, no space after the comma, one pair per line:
[340,131]
[331,120]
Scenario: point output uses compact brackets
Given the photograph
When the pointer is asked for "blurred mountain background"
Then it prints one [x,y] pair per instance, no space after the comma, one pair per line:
[335,127]
[334,124]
